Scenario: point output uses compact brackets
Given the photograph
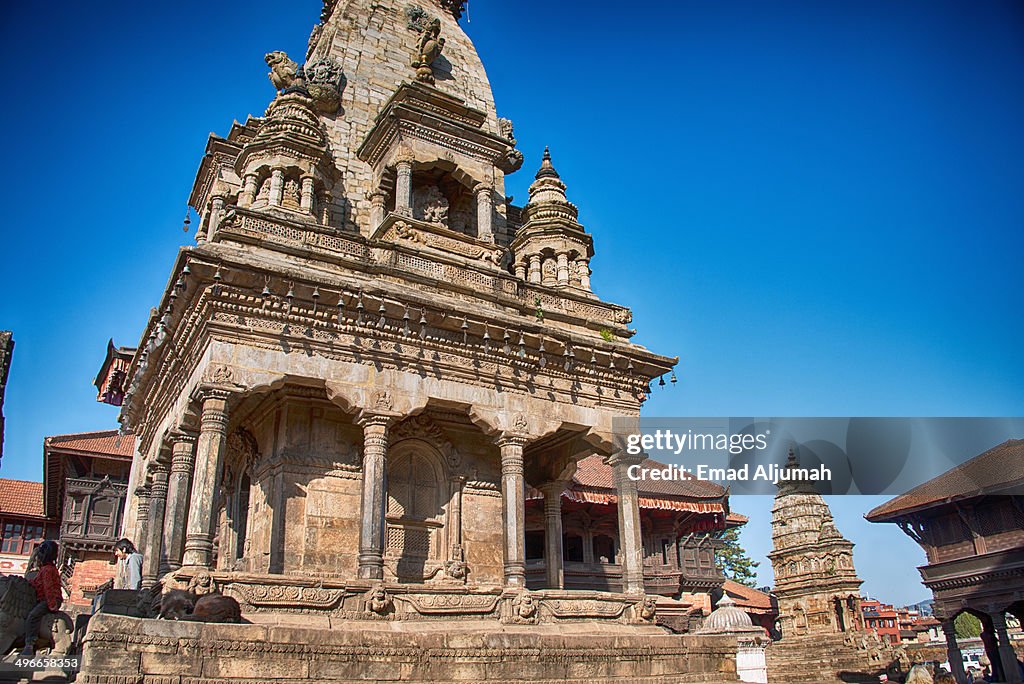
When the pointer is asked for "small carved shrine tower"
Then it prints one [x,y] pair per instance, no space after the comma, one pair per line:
[815,582]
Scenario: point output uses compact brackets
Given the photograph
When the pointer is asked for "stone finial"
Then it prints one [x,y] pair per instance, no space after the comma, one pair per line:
[547,169]
[427,50]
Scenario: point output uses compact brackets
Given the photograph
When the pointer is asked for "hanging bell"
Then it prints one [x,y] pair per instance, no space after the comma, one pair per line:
[316,298]
[673,378]
[217,278]
[465,331]
[423,324]
[188,220]
[405,321]
[522,346]
[661,381]
[341,307]
[487,341]
[382,311]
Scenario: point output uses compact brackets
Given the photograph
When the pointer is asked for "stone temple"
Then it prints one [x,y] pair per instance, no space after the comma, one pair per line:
[364,399]
[823,637]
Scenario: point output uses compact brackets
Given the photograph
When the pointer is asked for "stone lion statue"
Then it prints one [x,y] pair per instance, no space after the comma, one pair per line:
[17,598]
[283,71]
[647,609]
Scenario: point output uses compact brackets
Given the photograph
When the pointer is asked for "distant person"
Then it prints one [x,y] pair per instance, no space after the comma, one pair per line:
[919,675]
[129,566]
[45,579]
[946,678]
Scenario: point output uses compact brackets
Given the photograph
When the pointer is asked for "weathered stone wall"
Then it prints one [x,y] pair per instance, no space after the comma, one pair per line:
[166,651]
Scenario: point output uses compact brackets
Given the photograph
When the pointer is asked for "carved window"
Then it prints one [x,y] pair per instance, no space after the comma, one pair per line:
[572,548]
[101,517]
[412,489]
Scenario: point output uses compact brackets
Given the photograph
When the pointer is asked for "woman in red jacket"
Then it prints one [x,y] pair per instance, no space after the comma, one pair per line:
[48,592]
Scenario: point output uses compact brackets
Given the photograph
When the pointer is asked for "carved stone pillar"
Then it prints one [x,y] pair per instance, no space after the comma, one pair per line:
[1011,671]
[455,519]
[484,212]
[956,660]
[249,190]
[554,572]
[142,519]
[521,270]
[988,640]
[563,269]
[276,187]
[403,187]
[216,213]
[630,539]
[179,487]
[535,274]
[371,528]
[377,202]
[583,267]
[513,500]
[154,557]
[306,198]
[210,449]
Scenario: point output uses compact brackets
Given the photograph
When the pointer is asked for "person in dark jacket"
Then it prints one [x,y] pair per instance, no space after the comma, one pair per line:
[45,579]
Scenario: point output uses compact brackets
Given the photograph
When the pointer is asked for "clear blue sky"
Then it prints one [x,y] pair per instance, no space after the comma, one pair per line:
[818,206]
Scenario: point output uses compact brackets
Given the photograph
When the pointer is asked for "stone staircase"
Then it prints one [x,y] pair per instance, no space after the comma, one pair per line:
[825,659]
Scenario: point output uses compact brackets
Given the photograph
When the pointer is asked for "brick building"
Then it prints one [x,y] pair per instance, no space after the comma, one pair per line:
[23,523]
[882,619]
[84,490]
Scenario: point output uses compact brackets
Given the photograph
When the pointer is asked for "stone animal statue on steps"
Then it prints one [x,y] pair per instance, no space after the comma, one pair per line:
[178,604]
[17,597]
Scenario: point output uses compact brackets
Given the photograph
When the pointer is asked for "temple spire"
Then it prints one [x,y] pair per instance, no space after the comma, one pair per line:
[547,169]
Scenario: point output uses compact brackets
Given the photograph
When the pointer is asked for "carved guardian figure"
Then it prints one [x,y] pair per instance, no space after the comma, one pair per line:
[429,48]
[17,598]
[283,71]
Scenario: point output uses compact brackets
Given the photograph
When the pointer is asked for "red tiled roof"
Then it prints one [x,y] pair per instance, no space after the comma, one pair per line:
[594,483]
[746,597]
[997,470]
[18,497]
[594,472]
[105,442]
[735,519]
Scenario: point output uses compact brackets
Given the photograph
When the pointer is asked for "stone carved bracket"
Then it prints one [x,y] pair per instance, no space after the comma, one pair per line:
[276,596]
[450,604]
[577,609]
[381,399]
[437,237]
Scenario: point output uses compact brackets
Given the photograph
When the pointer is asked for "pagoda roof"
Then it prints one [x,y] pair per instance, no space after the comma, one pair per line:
[1000,470]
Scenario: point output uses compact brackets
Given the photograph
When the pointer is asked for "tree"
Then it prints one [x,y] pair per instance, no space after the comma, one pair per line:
[733,561]
[967,626]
